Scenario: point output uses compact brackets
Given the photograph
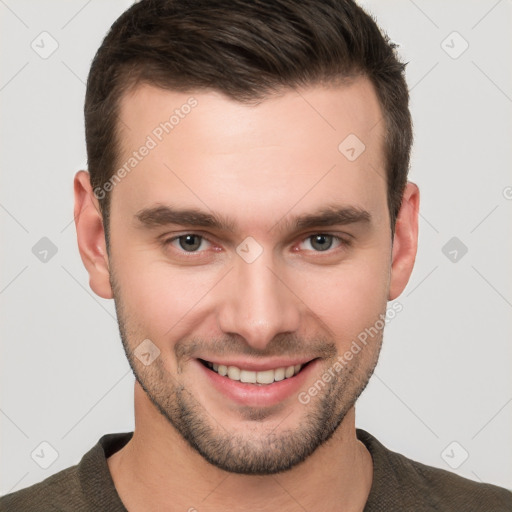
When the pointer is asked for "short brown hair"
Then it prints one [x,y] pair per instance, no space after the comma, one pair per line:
[246,49]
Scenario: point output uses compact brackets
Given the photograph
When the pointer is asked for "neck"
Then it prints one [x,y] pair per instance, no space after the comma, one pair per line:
[157,468]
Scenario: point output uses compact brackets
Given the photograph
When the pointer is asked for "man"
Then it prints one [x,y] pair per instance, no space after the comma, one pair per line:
[248,209]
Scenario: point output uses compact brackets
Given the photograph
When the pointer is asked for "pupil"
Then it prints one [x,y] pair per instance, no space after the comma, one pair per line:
[322,242]
[190,242]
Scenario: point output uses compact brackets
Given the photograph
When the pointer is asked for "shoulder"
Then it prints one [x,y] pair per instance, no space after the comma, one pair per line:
[411,485]
[448,491]
[57,492]
[87,486]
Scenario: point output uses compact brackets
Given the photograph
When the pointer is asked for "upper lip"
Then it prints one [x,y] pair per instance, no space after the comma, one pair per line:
[257,366]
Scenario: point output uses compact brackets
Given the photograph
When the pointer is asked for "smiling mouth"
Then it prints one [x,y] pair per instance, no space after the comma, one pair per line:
[262,378]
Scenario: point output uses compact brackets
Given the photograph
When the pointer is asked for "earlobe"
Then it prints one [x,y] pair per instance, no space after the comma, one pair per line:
[91,236]
[405,242]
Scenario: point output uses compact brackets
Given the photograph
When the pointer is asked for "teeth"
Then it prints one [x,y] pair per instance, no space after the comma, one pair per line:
[289,372]
[279,374]
[233,373]
[247,376]
[262,377]
[265,377]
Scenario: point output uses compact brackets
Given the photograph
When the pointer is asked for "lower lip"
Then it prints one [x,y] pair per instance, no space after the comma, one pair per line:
[258,396]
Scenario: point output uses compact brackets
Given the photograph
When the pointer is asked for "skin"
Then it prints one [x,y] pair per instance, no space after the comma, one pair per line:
[261,165]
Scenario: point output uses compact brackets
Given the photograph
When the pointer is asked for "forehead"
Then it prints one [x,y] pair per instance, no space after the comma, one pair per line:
[318,144]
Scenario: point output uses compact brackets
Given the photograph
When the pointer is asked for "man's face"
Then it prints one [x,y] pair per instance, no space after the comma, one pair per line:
[263,292]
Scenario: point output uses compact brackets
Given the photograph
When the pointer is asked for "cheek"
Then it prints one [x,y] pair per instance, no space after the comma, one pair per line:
[350,298]
[160,298]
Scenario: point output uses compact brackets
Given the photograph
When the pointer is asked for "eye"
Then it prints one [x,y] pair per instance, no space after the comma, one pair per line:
[321,242]
[189,242]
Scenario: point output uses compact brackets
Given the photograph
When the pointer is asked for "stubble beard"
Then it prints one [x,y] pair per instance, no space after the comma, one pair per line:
[258,449]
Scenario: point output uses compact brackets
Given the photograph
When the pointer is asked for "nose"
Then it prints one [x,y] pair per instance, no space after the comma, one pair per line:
[258,303]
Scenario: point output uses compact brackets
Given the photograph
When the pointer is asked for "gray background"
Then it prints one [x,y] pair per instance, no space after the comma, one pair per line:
[444,374]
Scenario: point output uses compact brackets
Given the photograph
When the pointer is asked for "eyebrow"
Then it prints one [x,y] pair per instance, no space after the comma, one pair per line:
[163,215]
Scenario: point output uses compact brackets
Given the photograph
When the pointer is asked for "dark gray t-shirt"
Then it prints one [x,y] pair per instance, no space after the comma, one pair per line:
[399,484]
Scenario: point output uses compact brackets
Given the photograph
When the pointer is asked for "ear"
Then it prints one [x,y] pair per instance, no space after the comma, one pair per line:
[405,243]
[91,236]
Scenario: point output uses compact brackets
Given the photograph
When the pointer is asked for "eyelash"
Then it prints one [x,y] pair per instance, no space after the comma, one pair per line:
[344,243]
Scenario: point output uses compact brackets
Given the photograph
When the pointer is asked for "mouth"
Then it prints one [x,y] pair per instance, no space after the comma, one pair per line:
[257,378]
[259,384]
